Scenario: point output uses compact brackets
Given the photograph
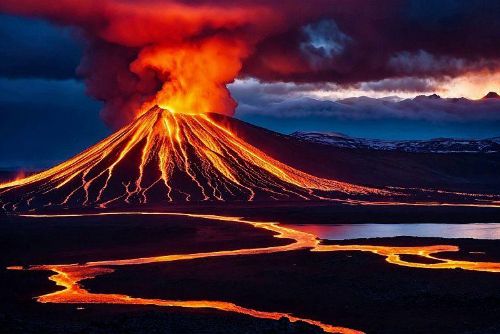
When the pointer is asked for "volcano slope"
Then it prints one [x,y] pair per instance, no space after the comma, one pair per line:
[458,172]
[168,157]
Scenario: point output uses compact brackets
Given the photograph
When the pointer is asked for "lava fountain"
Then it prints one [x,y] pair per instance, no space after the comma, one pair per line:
[164,156]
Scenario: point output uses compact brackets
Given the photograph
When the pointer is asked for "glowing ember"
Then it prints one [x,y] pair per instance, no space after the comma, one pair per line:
[168,156]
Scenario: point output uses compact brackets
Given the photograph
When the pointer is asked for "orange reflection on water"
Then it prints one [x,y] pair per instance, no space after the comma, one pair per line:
[70,276]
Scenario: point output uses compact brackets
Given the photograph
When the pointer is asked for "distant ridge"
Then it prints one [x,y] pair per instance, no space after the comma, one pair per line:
[491,95]
[437,145]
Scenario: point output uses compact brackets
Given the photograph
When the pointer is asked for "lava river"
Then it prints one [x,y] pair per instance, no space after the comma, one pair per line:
[69,276]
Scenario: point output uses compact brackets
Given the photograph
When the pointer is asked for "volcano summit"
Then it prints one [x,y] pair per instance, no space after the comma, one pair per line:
[169,157]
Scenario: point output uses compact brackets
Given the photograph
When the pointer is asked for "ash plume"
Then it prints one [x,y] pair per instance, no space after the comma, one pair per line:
[182,54]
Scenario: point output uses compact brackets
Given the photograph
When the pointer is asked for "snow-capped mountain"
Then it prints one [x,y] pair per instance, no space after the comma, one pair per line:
[438,145]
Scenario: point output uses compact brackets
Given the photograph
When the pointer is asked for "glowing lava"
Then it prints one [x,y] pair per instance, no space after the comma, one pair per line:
[167,156]
[70,276]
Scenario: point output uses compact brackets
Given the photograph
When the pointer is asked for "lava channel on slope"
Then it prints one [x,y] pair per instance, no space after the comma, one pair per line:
[170,157]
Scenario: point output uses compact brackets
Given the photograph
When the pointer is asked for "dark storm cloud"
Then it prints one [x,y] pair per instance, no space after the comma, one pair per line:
[45,114]
[377,40]
[406,84]
[425,64]
[35,49]
[45,121]
[347,42]
[323,43]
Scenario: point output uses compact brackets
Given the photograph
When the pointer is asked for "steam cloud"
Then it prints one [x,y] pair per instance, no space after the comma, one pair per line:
[182,54]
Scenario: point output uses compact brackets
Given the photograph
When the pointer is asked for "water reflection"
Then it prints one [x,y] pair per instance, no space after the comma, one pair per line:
[355,231]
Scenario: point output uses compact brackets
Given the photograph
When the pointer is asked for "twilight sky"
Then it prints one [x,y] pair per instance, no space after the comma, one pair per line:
[347,66]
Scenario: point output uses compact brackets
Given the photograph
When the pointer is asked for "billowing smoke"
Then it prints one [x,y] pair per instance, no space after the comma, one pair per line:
[181,54]
[140,53]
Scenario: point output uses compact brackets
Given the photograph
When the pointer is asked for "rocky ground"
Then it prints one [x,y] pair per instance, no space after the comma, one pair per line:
[351,289]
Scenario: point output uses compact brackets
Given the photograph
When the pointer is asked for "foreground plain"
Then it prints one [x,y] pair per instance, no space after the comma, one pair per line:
[352,289]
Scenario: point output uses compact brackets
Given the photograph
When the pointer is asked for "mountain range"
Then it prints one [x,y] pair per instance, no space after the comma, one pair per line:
[436,145]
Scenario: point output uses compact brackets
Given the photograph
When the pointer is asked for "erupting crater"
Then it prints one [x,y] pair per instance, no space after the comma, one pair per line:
[165,156]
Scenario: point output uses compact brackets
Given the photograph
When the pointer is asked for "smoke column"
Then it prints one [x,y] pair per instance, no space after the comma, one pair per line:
[142,53]
[181,54]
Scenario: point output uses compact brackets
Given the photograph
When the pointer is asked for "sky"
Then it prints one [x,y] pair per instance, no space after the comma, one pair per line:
[70,74]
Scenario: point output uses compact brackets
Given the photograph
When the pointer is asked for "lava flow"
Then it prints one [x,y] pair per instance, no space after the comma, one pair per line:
[171,157]
[69,276]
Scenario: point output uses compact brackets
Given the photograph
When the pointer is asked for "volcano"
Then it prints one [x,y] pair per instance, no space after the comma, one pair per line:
[170,157]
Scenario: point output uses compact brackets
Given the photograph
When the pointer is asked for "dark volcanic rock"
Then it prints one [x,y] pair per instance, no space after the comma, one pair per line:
[491,95]
[350,289]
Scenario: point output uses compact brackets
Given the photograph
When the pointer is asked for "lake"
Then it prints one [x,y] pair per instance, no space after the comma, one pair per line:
[356,231]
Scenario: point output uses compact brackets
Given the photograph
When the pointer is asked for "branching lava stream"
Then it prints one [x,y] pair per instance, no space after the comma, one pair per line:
[165,156]
[69,276]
